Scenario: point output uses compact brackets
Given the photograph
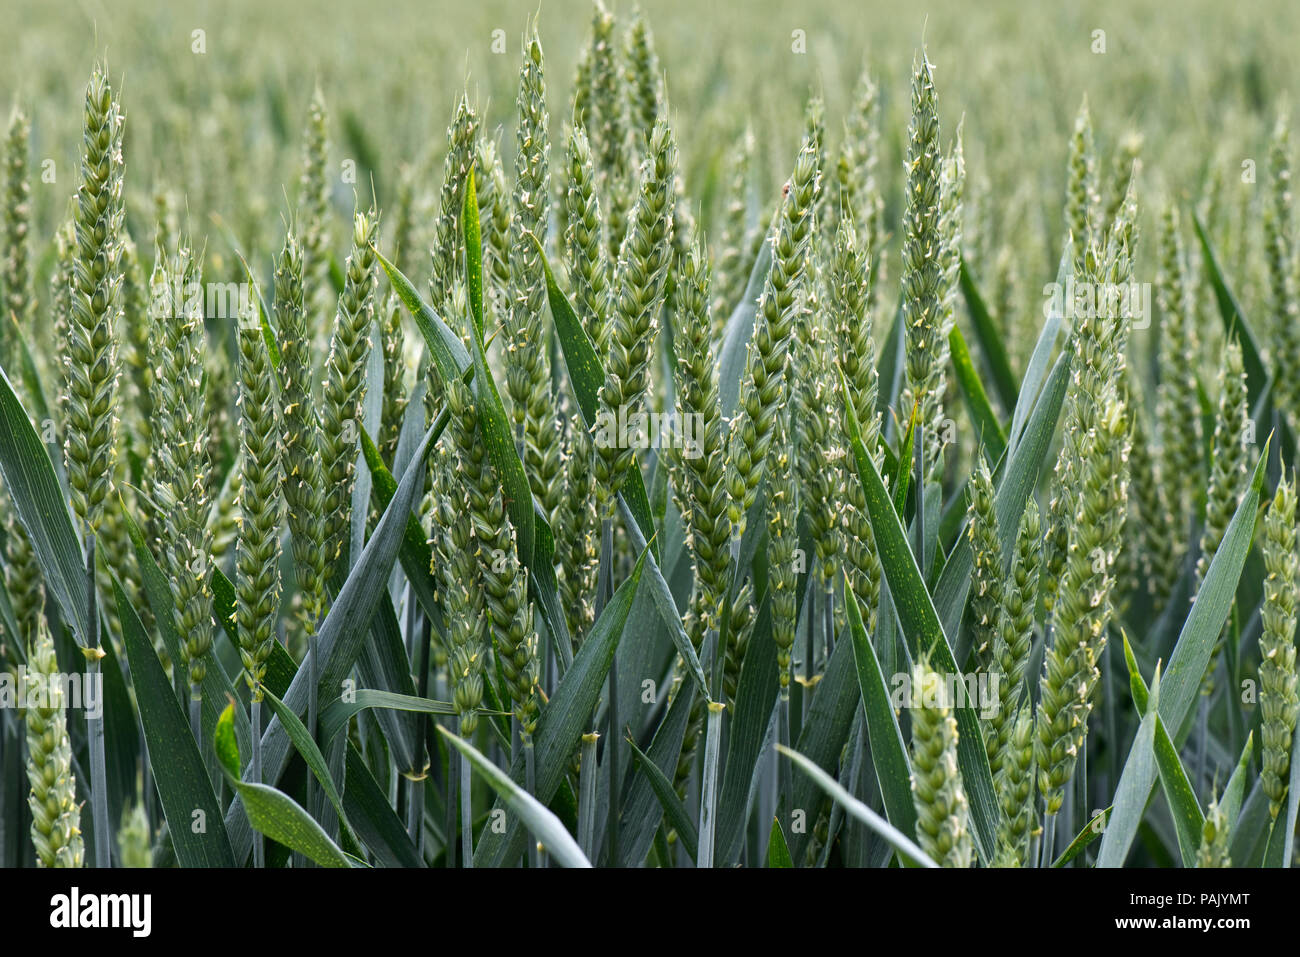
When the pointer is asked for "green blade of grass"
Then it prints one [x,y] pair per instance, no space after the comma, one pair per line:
[1091,831]
[778,852]
[747,727]
[473,252]
[1187,665]
[1235,792]
[336,715]
[273,812]
[305,746]
[888,752]
[1234,319]
[1188,817]
[673,808]
[38,499]
[986,333]
[1036,370]
[566,716]
[182,781]
[925,634]
[988,430]
[544,825]
[892,835]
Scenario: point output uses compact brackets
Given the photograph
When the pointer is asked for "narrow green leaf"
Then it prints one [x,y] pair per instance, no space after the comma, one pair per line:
[473,252]
[925,634]
[673,808]
[1091,831]
[1028,398]
[1234,319]
[1187,665]
[284,821]
[450,357]
[182,781]
[985,420]
[747,729]
[224,743]
[896,839]
[1188,817]
[334,717]
[1134,788]
[544,825]
[986,333]
[888,752]
[566,716]
[1234,793]
[778,854]
[739,330]
[903,464]
[303,743]
[38,499]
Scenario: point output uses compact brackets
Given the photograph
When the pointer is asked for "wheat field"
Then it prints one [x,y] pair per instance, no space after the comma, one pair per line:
[641,436]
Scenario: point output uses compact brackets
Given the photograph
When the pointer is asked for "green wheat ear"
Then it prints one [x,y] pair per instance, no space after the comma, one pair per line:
[345,385]
[1178,410]
[313,209]
[703,470]
[1277,670]
[1083,200]
[466,638]
[1014,636]
[56,812]
[986,564]
[586,254]
[1071,666]
[527,357]
[849,279]
[503,580]
[942,812]
[1213,851]
[257,562]
[304,480]
[90,361]
[182,463]
[637,301]
[22,577]
[928,223]
[763,389]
